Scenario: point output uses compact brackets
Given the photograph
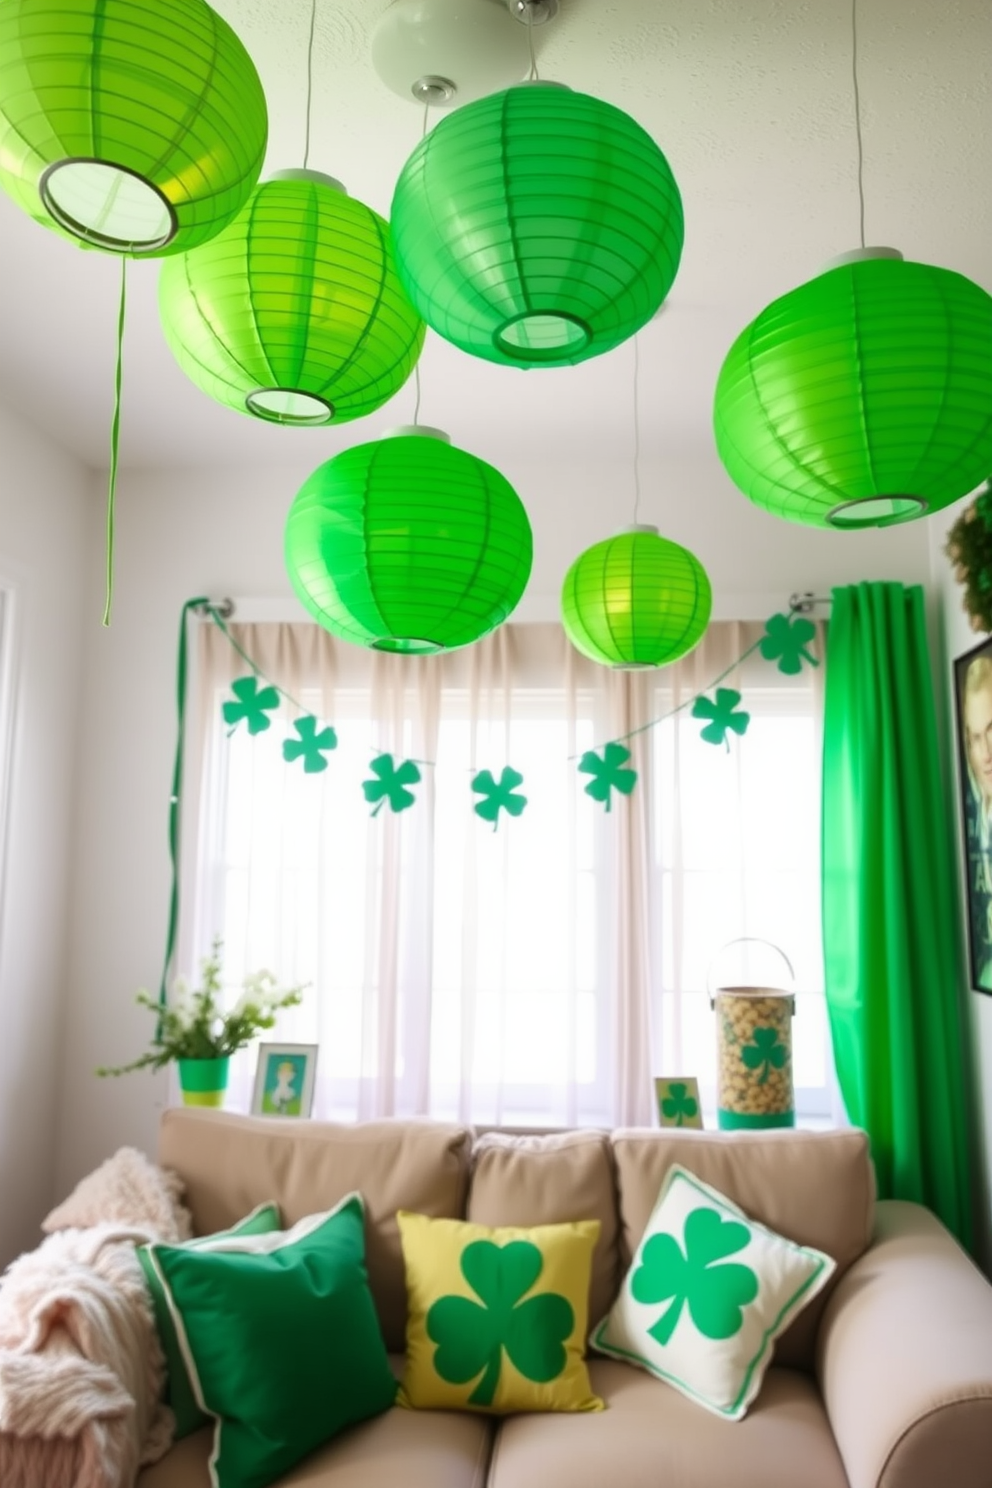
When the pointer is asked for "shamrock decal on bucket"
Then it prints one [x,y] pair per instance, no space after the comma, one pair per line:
[766,1053]
[472,1337]
[693,1277]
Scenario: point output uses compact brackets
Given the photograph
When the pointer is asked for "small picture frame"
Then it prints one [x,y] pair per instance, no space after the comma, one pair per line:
[973,697]
[284,1080]
[678,1101]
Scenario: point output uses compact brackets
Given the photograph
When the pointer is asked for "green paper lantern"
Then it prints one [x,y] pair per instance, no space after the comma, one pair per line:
[408,544]
[137,126]
[537,227]
[636,600]
[863,398]
[295,312]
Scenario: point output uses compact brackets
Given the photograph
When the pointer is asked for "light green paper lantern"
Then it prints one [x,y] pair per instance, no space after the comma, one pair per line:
[863,398]
[636,600]
[295,312]
[137,126]
[537,227]
[408,544]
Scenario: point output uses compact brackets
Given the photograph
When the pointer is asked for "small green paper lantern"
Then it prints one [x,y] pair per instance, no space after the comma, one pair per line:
[408,544]
[863,398]
[295,312]
[537,227]
[137,126]
[636,600]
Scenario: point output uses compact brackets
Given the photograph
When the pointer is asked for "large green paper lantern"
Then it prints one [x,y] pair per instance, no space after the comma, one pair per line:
[636,600]
[537,227]
[137,126]
[408,544]
[863,398]
[295,312]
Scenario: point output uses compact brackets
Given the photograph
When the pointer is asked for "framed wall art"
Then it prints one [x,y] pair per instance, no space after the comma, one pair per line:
[973,697]
[284,1080]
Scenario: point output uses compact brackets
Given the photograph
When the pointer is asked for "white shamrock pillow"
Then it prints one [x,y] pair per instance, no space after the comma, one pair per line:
[707,1294]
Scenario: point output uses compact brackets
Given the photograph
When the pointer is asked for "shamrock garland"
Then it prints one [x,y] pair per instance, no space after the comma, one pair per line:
[786,642]
[724,715]
[497,798]
[391,784]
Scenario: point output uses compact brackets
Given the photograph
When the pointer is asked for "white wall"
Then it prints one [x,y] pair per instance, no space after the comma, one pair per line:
[955,636]
[44,517]
[220,533]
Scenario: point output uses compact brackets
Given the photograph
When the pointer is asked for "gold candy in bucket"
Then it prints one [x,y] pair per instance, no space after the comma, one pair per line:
[754,1049]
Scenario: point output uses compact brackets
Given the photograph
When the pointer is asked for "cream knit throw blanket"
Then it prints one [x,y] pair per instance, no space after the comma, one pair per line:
[81,1368]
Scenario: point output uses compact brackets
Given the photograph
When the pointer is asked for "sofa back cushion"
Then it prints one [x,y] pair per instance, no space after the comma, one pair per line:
[231,1163]
[552,1179]
[816,1188]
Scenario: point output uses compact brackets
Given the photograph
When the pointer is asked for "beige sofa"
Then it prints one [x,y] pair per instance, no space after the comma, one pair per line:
[884,1382]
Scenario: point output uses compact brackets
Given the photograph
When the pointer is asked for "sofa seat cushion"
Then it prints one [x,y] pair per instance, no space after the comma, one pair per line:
[650,1436]
[814,1188]
[230,1163]
[411,1449]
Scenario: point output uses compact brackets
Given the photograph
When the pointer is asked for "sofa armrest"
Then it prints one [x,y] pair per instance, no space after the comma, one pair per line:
[904,1359]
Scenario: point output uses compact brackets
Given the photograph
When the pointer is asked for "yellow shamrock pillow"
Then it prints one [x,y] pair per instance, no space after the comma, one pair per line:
[496,1317]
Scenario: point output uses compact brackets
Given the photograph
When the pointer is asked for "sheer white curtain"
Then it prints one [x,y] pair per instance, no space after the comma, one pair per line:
[516,975]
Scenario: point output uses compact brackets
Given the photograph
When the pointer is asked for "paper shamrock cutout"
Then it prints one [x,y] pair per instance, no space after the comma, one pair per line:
[714,1294]
[391,784]
[497,798]
[723,715]
[472,1336]
[608,773]
[785,640]
[252,706]
[766,1053]
[310,746]
[679,1106]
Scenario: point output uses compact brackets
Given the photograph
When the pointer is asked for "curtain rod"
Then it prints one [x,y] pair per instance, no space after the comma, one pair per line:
[802,604]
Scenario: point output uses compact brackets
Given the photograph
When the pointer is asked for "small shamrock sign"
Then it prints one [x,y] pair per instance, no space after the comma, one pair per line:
[609,773]
[472,1337]
[498,797]
[390,784]
[694,1276]
[785,640]
[677,1105]
[723,714]
[765,1053]
[252,705]
[310,747]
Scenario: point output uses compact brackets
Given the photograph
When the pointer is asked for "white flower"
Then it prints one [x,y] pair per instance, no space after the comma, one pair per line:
[181,998]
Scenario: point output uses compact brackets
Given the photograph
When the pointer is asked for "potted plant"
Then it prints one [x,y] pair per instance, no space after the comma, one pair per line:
[195,1032]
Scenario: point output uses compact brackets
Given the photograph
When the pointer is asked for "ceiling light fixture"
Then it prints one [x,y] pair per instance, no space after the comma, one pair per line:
[864,397]
[129,125]
[450,51]
[408,544]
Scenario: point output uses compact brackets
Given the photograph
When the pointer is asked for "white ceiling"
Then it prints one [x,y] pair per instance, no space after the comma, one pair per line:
[751,100]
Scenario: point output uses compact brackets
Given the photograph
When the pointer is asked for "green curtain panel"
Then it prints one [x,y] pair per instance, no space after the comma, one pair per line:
[890,932]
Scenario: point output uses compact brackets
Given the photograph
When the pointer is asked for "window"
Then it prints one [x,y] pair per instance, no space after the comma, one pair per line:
[486,974]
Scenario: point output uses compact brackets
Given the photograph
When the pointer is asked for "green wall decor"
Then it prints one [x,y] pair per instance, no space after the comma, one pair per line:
[311,746]
[864,397]
[408,544]
[610,772]
[252,705]
[391,784]
[537,226]
[636,600]
[294,313]
[129,125]
[786,641]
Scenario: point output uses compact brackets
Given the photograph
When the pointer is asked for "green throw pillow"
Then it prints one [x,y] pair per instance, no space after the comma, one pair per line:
[281,1340]
[707,1294]
[179,1391]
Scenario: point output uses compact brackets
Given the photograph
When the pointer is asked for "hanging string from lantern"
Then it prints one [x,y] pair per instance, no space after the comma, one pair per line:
[115,432]
[637,430]
[313,23]
[416,370]
[532,76]
[857,115]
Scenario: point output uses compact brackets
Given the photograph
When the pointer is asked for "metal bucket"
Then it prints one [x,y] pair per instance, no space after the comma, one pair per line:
[754,1052]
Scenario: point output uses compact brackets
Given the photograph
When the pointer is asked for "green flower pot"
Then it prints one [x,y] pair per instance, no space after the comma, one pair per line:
[203,1081]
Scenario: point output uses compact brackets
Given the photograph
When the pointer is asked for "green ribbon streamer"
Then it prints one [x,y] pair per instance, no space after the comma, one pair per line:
[115,430]
[175,800]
